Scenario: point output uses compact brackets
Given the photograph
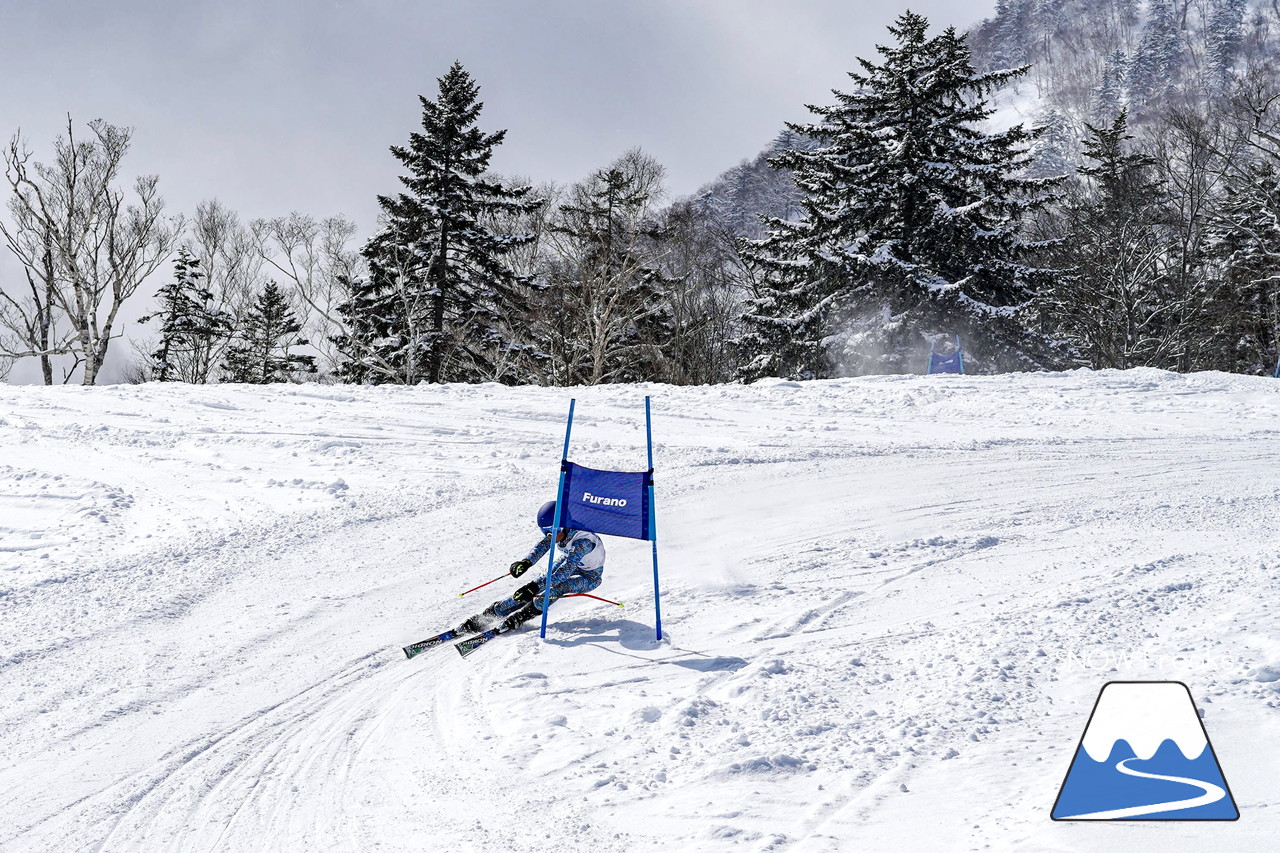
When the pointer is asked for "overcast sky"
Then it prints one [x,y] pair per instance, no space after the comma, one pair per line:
[275,106]
[272,106]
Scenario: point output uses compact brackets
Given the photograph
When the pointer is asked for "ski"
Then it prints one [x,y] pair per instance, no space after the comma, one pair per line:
[431,642]
[468,646]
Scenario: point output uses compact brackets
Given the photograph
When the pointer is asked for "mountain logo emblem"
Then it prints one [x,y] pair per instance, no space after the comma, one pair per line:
[1145,755]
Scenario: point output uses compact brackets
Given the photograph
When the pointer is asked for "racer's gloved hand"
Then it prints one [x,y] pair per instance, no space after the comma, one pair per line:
[519,567]
[526,592]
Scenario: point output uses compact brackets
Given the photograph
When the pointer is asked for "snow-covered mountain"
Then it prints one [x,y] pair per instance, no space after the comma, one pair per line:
[1088,59]
[889,603]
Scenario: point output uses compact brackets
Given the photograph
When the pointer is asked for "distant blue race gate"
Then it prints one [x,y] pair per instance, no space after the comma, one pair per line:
[949,363]
[615,503]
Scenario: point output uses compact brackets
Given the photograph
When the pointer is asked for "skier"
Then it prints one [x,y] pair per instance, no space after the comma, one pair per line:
[580,569]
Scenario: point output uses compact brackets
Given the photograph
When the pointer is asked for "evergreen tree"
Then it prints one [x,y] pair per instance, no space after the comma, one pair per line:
[1049,15]
[1225,36]
[190,324]
[1110,94]
[441,304]
[385,314]
[1111,306]
[1245,243]
[1159,54]
[1052,152]
[911,225]
[261,354]
[1011,32]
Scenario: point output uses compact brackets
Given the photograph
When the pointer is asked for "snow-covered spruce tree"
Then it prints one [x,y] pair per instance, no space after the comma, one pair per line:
[1013,32]
[1109,99]
[1244,240]
[911,226]
[1053,152]
[190,324]
[1225,36]
[441,304]
[1155,66]
[261,352]
[1111,306]
[385,314]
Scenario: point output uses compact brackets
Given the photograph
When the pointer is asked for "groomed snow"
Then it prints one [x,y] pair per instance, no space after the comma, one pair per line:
[890,604]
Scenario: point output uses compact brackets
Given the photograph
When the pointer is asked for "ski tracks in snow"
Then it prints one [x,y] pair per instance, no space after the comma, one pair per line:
[881,601]
[248,781]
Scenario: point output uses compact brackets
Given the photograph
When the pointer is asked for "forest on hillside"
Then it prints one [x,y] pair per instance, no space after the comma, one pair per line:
[1128,215]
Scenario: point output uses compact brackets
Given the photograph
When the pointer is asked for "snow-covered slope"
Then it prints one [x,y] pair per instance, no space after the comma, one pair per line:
[890,604]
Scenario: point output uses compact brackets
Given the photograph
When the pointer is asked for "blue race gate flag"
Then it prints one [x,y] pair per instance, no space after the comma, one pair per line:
[611,502]
[945,363]
[949,363]
[615,503]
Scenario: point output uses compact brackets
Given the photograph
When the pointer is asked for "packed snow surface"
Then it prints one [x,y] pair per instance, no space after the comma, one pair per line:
[889,604]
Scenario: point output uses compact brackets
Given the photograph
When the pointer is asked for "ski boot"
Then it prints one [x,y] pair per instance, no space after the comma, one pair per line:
[479,622]
[521,616]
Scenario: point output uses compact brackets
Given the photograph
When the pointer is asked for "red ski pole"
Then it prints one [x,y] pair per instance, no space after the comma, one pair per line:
[589,595]
[483,585]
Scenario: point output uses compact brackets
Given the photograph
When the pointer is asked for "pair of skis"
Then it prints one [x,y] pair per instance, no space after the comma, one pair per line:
[464,648]
[470,644]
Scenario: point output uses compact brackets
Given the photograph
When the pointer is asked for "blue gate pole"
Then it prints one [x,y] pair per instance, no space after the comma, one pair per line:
[959,354]
[555,525]
[653,527]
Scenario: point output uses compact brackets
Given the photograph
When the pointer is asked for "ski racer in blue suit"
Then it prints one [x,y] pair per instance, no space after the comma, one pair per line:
[579,568]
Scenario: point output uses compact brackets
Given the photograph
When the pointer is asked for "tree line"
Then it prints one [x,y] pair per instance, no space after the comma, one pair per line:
[86,246]
[894,220]
[470,277]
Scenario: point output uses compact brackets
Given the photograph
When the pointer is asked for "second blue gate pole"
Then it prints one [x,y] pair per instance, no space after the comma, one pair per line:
[653,526]
[555,525]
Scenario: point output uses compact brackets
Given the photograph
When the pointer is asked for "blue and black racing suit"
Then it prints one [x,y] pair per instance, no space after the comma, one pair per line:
[580,569]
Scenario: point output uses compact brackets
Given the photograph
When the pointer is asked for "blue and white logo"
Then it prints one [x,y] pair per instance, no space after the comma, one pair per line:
[1145,755]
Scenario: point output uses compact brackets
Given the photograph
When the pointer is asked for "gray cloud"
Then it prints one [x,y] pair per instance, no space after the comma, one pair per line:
[274,106]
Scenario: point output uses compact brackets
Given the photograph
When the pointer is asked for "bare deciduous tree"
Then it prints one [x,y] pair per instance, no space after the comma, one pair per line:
[317,258]
[604,276]
[706,275]
[97,247]
[27,317]
[232,265]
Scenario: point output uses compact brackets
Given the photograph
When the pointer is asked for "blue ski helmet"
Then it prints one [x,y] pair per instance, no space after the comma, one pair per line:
[547,516]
